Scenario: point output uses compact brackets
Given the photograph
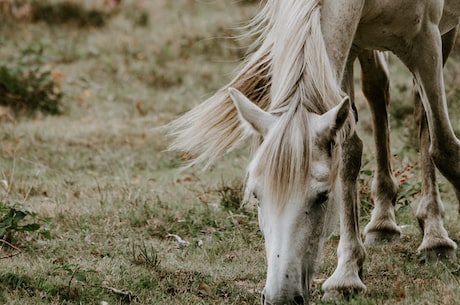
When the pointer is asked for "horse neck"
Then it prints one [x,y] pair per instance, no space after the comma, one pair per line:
[300,64]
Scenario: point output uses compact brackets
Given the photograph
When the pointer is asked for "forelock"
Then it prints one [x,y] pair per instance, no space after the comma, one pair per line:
[282,161]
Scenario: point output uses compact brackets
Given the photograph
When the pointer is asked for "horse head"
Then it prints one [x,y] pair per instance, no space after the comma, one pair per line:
[293,174]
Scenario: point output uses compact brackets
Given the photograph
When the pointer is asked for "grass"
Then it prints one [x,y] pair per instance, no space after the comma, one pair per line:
[126,225]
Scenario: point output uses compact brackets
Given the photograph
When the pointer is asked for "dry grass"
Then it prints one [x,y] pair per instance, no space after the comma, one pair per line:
[120,207]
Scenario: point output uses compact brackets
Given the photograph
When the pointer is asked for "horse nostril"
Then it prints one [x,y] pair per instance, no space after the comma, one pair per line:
[298,300]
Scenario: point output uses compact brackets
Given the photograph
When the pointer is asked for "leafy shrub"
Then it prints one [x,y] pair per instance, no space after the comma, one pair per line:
[28,85]
[67,12]
[12,220]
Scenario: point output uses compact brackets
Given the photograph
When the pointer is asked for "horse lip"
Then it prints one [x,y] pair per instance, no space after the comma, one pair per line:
[292,297]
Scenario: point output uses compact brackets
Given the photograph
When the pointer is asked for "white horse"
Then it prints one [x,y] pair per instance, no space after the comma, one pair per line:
[306,154]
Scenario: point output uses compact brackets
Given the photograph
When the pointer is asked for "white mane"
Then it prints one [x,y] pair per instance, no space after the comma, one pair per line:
[289,67]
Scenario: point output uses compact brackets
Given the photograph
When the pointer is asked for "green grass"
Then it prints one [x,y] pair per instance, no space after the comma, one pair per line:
[117,202]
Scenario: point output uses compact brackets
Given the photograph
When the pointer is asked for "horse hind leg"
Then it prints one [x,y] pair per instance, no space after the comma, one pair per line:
[424,59]
[375,85]
[436,243]
[430,211]
[457,193]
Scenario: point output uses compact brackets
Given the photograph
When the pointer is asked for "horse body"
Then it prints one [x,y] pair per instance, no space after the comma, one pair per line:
[393,25]
[307,158]
[380,28]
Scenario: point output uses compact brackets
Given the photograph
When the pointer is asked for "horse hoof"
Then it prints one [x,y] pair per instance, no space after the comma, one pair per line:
[378,237]
[446,254]
[338,296]
[333,295]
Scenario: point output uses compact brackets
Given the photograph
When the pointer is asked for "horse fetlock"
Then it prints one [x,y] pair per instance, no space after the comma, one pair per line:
[382,229]
[342,290]
[384,189]
[345,281]
[382,236]
[337,296]
[436,248]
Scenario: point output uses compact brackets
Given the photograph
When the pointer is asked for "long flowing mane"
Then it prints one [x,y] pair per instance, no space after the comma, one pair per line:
[289,67]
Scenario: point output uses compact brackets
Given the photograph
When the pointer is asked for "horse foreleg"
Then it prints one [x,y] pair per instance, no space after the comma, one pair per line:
[375,85]
[351,254]
[430,212]
[350,251]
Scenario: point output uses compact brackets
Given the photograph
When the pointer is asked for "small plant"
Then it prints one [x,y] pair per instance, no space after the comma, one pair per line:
[13,220]
[146,257]
[74,272]
[407,191]
[29,85]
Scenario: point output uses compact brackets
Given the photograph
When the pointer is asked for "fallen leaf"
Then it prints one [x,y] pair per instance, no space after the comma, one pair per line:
[204,288]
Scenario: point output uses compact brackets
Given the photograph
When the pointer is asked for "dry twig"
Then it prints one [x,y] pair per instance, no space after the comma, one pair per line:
[18,251]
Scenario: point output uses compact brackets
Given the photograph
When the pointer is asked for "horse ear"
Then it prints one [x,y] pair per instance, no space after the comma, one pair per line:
[258,119]
[343,112]
[337,116]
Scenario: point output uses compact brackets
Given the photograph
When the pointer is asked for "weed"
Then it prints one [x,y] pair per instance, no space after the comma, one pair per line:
[75,272]
[145,257]
[12,219]
[14,281]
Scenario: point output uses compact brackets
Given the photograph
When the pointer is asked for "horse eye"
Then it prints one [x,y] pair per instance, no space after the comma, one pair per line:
[332,144]
[322,197]
[330,147]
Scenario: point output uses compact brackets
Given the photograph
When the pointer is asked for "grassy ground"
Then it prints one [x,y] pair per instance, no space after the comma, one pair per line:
[127,226]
